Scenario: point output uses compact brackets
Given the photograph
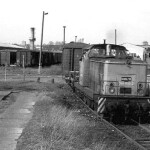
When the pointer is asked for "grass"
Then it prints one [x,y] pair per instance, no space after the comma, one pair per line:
[55,125]
[52,70]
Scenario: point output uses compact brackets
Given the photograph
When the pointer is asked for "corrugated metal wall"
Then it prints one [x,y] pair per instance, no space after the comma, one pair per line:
[71,60]
[31,58]
[66,61]
[96,76]
[77,55]
[3,58]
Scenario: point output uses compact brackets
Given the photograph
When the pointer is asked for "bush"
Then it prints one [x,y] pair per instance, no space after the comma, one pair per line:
[53,126]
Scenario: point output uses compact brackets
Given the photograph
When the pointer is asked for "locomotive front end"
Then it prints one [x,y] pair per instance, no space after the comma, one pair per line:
[126,78]
[119,82]
[126,88]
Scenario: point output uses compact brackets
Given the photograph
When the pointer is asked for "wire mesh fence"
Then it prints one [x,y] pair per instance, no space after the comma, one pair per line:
[13,73]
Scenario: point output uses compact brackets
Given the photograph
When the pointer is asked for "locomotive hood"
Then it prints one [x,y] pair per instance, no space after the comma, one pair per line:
[118,61]
[125,61]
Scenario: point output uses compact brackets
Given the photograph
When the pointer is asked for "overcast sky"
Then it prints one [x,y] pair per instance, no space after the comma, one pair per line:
[93,20]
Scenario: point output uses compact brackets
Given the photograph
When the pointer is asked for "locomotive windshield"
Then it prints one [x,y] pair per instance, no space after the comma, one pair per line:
[103,50]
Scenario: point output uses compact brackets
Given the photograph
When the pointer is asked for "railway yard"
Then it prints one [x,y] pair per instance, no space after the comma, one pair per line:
[84,129]
[87,91]
[59,119]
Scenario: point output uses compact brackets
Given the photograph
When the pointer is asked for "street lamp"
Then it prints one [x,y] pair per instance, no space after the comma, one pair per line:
[40,57]
[75,39]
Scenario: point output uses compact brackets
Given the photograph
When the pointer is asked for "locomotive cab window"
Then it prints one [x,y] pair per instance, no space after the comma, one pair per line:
[97,52]
[113,52]
[117,53]
[107,50]
[120,53]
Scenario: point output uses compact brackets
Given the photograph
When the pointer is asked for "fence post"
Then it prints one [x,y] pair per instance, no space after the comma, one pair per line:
[23,69]
[5,71]
[6,66]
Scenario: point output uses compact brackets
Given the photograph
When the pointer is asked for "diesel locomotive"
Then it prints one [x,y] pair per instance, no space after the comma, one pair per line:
[112,83]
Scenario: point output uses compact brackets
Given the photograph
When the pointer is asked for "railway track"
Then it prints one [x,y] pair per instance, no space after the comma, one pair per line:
[138,134]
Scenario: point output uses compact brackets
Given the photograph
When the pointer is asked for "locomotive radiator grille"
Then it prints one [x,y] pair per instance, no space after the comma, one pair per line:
[124,90]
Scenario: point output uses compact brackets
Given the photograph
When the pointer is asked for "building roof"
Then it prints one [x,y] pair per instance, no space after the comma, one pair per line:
[9,46]
[52,47]
[76,45]
[144,46]
[132,48]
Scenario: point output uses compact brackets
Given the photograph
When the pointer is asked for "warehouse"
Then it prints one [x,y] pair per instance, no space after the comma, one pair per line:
[14,55]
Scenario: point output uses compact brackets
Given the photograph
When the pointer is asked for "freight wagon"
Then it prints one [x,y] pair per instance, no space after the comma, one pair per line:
[72,53]
[31,57]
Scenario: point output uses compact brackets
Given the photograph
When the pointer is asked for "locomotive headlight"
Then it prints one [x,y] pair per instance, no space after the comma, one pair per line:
[140,86]
[111,88]
[140,89]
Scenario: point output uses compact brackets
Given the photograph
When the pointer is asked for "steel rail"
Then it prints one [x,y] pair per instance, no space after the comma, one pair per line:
[140,125]
[111,125]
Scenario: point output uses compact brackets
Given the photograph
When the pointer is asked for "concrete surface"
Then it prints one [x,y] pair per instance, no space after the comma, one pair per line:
[4,93]
[14,119]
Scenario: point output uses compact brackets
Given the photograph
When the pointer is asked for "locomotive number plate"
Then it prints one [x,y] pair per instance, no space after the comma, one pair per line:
[126,79]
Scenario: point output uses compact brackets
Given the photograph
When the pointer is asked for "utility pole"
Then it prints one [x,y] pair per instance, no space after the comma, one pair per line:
[75,39]
[40,57]
[64,34]
[23,68]
[115,37]
[64,27]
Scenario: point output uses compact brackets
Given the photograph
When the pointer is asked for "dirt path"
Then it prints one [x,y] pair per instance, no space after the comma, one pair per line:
[14,119]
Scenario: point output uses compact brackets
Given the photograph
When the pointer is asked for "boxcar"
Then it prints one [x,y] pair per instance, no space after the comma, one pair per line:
[72,53]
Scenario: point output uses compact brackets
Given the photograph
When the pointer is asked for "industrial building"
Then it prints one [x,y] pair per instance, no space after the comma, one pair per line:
[11,54]
[14,55]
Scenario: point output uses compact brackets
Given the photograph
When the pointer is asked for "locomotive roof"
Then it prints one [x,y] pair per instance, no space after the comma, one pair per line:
[103,46]
[114,60]
[77,45]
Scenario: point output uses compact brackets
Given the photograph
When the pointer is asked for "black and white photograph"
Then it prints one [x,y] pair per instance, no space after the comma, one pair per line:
[75,75]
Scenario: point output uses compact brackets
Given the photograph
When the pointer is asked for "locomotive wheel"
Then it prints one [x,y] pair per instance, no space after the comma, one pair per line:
[95,106]
[88,102]
[92,105]
[117,114]
[84,100]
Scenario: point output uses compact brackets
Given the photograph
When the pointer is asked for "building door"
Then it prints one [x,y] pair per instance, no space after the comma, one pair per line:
[12,58]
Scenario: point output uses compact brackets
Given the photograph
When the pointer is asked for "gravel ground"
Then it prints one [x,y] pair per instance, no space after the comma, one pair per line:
[135,132]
